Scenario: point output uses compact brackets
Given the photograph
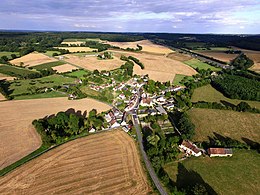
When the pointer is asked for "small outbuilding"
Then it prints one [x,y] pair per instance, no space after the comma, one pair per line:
[221,152]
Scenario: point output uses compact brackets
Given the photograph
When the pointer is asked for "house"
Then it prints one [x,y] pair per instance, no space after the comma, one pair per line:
[146,101]
[160,100]
[221,152]
[189,148]
[125,129]
[161,110]
[114,123]
[178,88]
[92,130]
[169,106]
[122,96]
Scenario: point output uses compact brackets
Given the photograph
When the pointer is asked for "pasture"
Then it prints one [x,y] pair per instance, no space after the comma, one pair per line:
[50,53]
[218,54]
[32,59]
[14,71]
[92,63]
[77,49]
[48,65]
[64,68]
[195,63]
[8,54]
[208,93]
[147,45]
[158,67]
[105,163]
[235,175]
[18,137]
[236,125]
[78,73]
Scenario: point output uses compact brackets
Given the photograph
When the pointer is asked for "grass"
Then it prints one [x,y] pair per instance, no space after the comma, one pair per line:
[48,65]
[195,44]
[83,54]
[14,71]
[213,49]
[78,73]
[236,125]
[8,54]
[194,63]
[74,40]
[238,174]
[209,94]
[50,53]
[20,87]
[178,78]
[51,94]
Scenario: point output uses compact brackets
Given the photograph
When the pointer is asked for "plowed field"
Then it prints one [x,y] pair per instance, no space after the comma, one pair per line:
[105,163]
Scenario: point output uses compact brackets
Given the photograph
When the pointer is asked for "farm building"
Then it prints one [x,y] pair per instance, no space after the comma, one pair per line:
[221,152]
[189,148]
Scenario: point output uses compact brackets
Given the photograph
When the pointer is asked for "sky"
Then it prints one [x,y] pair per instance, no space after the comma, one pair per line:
[173,16]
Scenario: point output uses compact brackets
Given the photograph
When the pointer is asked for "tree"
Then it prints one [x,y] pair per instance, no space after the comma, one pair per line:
[13,56]
[243,107]
[73,124]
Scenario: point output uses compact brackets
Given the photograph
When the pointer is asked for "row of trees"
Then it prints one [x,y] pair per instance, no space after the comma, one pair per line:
[64,125]
[242,62]
[137,61]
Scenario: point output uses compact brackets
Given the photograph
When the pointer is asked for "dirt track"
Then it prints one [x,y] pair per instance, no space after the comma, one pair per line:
[17,136]
[105,163]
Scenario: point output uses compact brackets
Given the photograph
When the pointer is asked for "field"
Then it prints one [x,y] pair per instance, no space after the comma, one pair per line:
[8,54]
[18,137]
[2,97]
[6,77]
[92,63]
[64,68]
[147,45]
[77,49]
[235,175]
[105,163]
[22,86]
[32,59]
[158,67]
[14,71]
[236,125]
[209,94]
[48,65]
[255,56]
[51,94]
[178,78]
[179,56]
[194,63]
[218,54]
[50,53]
[78,73]
[72,42]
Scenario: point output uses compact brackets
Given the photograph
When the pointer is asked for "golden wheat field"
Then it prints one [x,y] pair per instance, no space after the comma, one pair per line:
[18,138]
[72,42]
[219,55]
[32,59]
[64,68]
[77,49]
[104,163]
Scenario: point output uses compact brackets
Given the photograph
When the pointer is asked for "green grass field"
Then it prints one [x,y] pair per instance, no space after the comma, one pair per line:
[48,65]
[238,174]
[236,125]
[21,86]
[195,44]
[78,73]
[178,77]
[50,53]
[14,71]
[194,63]
[209,94]
[74,40]
[51,94]
[8,54]
[213,49]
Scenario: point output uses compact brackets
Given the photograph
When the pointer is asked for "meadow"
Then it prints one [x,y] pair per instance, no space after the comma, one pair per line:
[194,63]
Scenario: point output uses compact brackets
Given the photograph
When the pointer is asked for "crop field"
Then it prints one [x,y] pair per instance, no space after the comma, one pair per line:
[179,56]
[158,67]
[2,97]
[51,94]
[219,55]
[18,137]
[78,73]
[50,53]
[255,56]
[147,45]
[48,65]
[236,125]
[105,163]
[8,54]
[194,63]
[235,175]
[19,87]
[64,68]
[208,93]
[92,63]
[13,71]
[72,42]
[6,77]
[77,49]
[32,59]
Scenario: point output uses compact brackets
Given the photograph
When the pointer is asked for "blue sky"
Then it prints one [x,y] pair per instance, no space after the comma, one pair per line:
[175,16]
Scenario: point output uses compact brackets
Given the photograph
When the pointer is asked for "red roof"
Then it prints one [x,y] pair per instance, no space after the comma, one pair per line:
[189,145]
[220,151]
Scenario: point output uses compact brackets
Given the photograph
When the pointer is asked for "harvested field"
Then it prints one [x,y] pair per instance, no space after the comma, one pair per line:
[18,137]
[236,125]
[179,56]
[105,163]
[64,68]
[32,59]
[6,77]
[158,67]
[76,49]
[72,42]
[2,97]
[147,45]
[219,55]
[255,56]
[92,63]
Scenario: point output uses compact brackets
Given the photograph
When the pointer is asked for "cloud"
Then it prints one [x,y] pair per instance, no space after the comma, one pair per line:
[132,15]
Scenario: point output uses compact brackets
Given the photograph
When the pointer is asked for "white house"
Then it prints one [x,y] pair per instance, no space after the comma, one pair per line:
[92,130]
[189,148]
[122,96]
